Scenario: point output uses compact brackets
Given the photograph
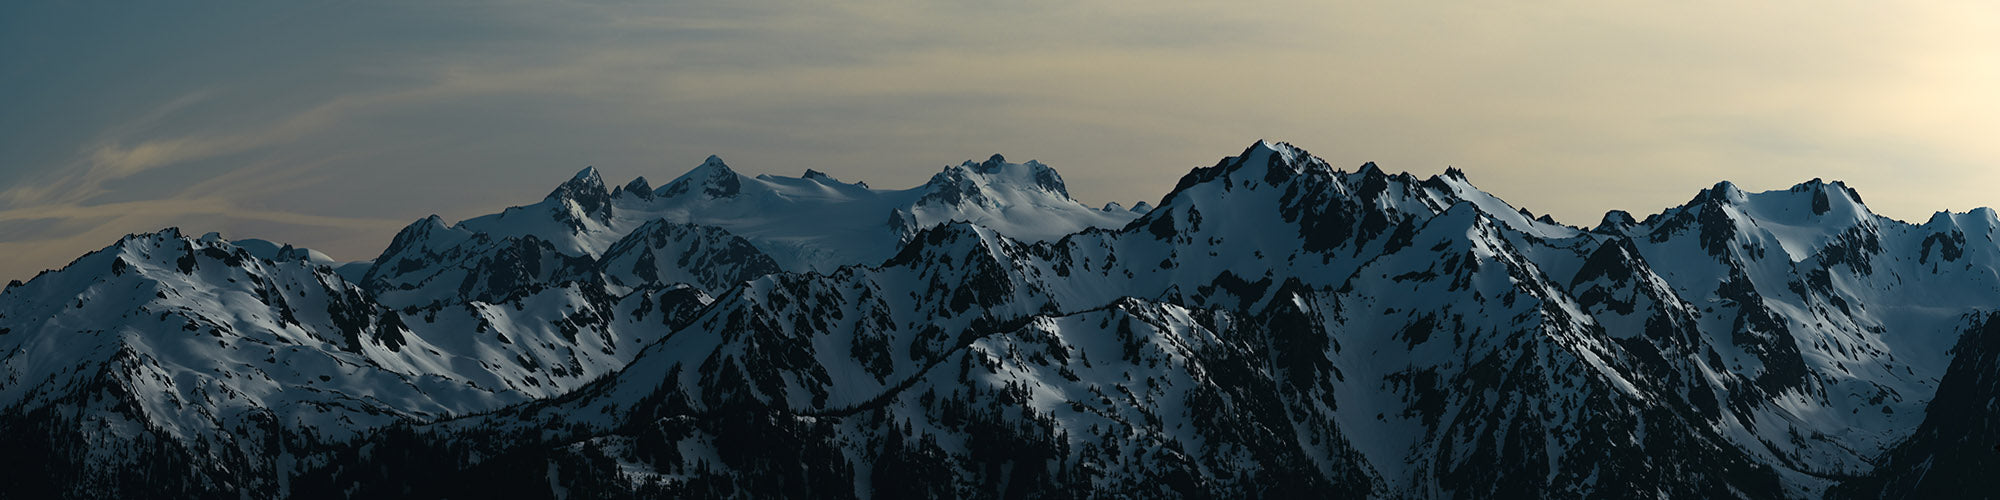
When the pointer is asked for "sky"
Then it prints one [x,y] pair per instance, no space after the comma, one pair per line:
[332,124]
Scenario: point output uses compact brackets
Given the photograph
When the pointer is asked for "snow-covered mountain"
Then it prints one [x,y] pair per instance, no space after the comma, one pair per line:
[1274,327]
[452,319]
[817,223]
[200,358]
[808,223]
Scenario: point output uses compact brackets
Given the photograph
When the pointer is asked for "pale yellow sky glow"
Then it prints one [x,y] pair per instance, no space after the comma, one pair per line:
[330,125]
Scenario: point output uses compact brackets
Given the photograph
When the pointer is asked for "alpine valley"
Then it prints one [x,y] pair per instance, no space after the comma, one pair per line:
[1273,327]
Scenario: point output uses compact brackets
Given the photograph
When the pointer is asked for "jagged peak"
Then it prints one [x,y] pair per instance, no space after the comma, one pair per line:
[951,186]
[133,244]
[271,250]
[1369,168]
[1725,192]
[585,185]
[1047,178]
[587,176]
[711,168]
[1941,218]
[1452,180]
[1818,196]
[639,186]
[815,175]
[133,240]
[1615,259]
[1293,160]
[1142,207]
[174,233]
[1113,207]
[586,188]
[418,227]
[416,234]
[966,181]
[1307,184]
[1800,220]
[714,177]
[991,164]
[1819,188]
[1615,222]
[1266,162]
[172,245]
[1722,193]
[1266,147]
[1037,173]
[1818,182]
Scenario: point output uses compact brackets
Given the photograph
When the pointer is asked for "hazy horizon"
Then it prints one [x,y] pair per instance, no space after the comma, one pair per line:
[331,125]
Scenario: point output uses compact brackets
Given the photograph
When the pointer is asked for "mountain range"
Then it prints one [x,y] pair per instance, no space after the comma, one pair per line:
[1273,326]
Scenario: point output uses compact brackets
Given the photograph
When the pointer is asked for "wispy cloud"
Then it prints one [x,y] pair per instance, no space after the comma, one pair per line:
[328,126]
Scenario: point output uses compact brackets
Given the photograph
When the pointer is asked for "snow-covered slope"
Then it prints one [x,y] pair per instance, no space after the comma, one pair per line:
[214,362]
[817,223]
[1366,332]
[1835,322]
[808,223]
[199,344]
[1274,327]
[451,319]
[811,222]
